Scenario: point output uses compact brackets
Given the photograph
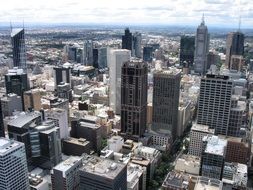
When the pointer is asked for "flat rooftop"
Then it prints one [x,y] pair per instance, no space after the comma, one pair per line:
[202,128]
[102,167]
[81,141]
[67,164]
[7,145]
[208,184]
[215,145]
[170,72]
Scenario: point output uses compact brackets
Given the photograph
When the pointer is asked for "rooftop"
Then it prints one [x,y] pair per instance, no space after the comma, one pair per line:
[15,31]
[80,141]
[67,164]
[102,167]
[24,118]
[168,72]
[238,173]
[208,184]
[177,180]
[7,145]
[215,145]
[202,128]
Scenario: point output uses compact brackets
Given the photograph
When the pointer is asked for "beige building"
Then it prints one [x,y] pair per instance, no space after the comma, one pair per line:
[32,99]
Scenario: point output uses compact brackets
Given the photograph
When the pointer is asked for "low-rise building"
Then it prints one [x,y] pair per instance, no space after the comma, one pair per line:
[189,164]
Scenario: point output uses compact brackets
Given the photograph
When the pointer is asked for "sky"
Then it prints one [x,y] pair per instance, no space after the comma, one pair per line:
[136,12]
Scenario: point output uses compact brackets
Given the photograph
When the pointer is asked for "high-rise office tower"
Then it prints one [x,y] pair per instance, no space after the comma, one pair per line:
[201,48]
[215,102]
[238,117]
[166,89]
[45,144]
[11,103]
[132,42]
[42,139]
[32,100]
[60,118]
[61,74]
[115,61]
[88,53]
[99,173]
[234,46]
[127,40]
[2,131]
[13,166]
[95,57]
[18,48]
[137,45]
[187,44]
[148,53]
[102,57]
[134,89]
[213,157]
[65,176]
[16,82]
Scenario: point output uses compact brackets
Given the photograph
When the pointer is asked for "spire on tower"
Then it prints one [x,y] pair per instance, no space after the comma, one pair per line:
[11,25]
[203,19]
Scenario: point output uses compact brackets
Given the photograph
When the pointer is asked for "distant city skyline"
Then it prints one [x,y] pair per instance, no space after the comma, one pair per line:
[176,12]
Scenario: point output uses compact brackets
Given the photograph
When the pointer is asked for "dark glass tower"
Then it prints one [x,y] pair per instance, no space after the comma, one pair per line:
[62,74]
[18,48]
[134,86]
[16,82]
[166,93]
[234,46]
[95,57]
[127,40]
[187,51]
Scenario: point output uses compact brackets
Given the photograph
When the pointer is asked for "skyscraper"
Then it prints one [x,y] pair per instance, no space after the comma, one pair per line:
[234,46]
[102,57]
[187,51]
[18,48]
[134,89]
[166,89]
[16,82]
[13,166]
[61,74]
[201,48]
[137,45]
[116,59]
[88,53]
[215,102]
[95,57]
[127,40]
[2,132]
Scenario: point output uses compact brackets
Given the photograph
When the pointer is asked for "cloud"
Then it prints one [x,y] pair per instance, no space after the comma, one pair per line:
[172,12]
